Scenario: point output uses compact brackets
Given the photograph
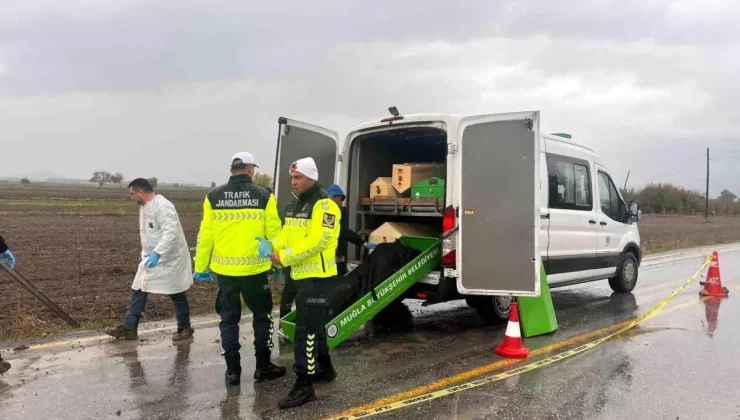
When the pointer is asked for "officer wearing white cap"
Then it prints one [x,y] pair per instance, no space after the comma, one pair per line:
[307,244]
[237,216]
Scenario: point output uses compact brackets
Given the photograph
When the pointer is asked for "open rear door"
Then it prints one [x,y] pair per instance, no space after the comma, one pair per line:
[298,140]
[497,244]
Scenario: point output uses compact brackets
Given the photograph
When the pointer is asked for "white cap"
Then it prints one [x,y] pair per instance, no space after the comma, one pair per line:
[243,158]
[307,167]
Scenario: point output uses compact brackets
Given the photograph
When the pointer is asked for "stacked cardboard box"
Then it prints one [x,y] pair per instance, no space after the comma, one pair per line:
[404,177]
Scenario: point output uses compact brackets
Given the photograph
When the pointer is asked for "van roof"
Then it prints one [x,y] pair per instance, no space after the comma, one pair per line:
[451,119]
[411,118]
[572,142]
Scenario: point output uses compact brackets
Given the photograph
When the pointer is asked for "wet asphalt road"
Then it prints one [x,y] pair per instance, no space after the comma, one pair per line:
[683,364]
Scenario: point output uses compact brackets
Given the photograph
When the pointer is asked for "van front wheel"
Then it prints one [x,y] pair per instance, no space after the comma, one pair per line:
[492,309]
[626,277]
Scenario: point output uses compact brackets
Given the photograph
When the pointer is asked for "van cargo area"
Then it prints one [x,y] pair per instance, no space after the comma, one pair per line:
[372,156]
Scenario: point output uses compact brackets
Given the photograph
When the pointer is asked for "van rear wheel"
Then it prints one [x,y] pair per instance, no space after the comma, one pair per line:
[626,277]
[493,310]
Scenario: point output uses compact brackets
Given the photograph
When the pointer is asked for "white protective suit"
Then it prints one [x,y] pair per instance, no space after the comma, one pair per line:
[162,233]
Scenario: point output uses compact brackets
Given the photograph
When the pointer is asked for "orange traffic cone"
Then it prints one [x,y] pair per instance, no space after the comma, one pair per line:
[713,284]
[512,347]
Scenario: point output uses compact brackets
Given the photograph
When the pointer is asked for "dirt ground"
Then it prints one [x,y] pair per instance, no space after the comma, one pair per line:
[86,264]
[661,233]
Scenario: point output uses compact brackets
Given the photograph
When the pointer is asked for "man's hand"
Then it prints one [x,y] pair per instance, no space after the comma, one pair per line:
[152,259]
[203,276]
[9,257]
[265,247]
[275,258]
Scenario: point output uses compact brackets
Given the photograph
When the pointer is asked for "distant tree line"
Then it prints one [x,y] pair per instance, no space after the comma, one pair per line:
[672,199]
[105,177]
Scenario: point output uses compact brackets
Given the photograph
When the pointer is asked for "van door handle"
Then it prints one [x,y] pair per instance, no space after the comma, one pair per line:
[603,223]
[545,216]
[593,222]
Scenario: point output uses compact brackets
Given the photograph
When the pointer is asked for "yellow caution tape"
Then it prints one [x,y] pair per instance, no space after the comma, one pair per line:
[526,368]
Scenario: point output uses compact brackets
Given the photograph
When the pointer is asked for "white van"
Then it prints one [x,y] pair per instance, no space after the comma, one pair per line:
[509,191]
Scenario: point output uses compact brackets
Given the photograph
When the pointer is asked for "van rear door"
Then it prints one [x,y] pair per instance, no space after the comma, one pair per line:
[299,140]
[499,205]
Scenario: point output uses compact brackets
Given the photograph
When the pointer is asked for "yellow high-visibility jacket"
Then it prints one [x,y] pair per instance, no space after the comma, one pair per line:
[308,242]
[234,214]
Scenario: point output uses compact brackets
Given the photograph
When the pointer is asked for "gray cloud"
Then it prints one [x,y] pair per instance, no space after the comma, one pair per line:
[152,89]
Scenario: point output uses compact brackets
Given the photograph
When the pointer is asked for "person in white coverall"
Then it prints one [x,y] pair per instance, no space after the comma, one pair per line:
[165,267]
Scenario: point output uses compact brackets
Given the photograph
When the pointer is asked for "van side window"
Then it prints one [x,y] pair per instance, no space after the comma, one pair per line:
[569,184]
[611,204]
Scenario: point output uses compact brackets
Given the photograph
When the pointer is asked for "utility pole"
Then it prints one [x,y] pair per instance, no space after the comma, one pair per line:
[706,208]
[626,179]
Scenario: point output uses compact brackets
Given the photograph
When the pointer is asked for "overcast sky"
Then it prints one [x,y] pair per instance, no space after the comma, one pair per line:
[173,89]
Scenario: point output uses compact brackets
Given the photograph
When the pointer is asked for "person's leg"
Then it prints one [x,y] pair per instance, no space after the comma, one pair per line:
[302,391]
[342,268]
[320,316]
[256,292]
[182,313]
[229,308]
[290,289]
[128,330]
[137,307]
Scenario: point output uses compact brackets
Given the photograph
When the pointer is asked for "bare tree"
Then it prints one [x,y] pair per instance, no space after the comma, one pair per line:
[101,177]
[264,180]
[117,179]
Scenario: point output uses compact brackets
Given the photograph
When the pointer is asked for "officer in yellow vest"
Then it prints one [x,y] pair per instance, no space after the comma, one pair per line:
[235,215]
[308,244]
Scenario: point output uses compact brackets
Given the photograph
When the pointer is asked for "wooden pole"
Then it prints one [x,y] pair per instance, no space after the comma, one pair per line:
[40,296]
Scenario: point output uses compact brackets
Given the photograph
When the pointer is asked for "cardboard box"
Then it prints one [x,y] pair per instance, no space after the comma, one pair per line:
[383,187]
[407,174]
[432,187]
[391,231]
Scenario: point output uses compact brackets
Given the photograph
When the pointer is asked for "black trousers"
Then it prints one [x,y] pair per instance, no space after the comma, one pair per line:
[342,268]
[313,304]
[290,289]
[256,292]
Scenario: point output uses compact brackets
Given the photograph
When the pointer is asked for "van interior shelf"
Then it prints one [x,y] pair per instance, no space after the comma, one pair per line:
[400,213]
[389,206]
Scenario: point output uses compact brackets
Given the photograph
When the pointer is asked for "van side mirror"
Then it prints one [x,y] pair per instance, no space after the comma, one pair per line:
[634,211]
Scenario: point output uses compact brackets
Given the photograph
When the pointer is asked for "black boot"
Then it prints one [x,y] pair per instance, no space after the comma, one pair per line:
[325,372]
[266,370]
[301,393]
[4,366]
[233,368]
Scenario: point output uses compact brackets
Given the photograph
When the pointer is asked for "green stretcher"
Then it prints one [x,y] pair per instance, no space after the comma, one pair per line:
[364,309]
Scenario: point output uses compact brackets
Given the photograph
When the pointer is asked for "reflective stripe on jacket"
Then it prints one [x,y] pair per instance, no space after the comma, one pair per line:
[234,214]
[308,241]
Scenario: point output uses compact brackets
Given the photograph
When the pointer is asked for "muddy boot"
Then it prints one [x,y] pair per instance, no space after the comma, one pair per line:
[233,368]
[266,370]
[182,334]
[4,366]
[122,333]
[301,393]
[325,372]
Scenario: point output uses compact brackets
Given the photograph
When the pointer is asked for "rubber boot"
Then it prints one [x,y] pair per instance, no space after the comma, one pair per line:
[266,370]
[325,372]
[4,366]
[122,333]
[301,393]
[233,368]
